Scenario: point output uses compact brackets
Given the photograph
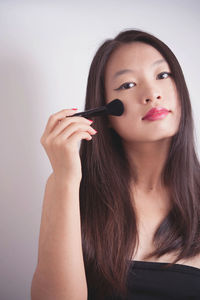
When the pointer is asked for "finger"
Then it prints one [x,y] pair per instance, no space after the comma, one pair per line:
[76,137]
[54,118]
[66,122]
[71,129]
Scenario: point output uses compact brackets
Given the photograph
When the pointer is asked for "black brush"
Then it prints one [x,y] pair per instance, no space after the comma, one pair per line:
[115,108]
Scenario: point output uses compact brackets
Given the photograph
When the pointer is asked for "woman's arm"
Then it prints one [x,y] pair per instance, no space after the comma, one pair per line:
[60,273]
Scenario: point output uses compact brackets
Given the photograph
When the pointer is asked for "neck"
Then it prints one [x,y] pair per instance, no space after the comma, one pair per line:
[147,160]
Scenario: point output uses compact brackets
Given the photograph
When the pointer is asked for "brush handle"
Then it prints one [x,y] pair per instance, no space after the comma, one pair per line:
[91,112]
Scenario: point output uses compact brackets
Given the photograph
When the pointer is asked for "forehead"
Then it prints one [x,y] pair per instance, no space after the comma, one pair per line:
[132,55]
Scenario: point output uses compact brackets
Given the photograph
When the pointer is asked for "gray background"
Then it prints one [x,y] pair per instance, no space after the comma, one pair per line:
[46,48]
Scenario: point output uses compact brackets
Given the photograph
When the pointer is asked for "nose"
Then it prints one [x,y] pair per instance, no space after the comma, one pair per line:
[152,98]
[150,93]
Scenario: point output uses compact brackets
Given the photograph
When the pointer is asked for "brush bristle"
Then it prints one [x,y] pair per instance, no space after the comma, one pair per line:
[115,107]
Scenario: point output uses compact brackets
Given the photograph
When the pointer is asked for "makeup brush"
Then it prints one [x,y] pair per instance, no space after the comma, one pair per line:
[115,108]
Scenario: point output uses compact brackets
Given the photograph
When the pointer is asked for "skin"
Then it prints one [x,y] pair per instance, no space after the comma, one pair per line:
[146,143]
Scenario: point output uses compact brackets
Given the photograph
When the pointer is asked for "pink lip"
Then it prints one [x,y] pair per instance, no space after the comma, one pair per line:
[157,116]
[156,113]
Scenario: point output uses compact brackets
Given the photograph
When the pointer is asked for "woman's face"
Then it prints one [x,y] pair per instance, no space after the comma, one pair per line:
[144,86]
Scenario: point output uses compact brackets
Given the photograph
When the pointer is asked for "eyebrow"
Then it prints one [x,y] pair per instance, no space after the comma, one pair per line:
[120,72]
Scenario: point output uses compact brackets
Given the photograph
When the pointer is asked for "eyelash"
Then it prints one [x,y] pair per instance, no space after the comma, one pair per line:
[121,87]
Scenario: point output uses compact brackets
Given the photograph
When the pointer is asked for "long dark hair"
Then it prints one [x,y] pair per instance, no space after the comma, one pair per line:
[108,219]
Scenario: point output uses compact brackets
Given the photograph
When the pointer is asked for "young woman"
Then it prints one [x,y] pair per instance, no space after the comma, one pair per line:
[121,215]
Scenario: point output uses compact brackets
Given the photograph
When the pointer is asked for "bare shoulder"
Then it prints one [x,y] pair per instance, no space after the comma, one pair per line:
[193,261]
[197,261]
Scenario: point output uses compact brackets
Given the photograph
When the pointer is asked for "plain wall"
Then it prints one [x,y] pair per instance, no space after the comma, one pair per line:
[46,48]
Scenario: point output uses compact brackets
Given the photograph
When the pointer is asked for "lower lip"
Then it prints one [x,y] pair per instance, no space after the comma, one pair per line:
[156,116]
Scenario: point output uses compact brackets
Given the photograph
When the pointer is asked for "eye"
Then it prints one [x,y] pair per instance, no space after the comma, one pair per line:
[164,75]
[125,86]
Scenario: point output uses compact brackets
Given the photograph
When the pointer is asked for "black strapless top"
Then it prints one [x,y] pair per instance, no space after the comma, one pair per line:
[149,281]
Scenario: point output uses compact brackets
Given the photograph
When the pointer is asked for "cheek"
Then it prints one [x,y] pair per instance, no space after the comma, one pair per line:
[173,101]
[178,115]
[172,96]
[176,108]
[127,125]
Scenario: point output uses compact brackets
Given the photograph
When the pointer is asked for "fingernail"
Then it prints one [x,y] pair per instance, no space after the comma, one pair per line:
[74,108]
[90,120]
